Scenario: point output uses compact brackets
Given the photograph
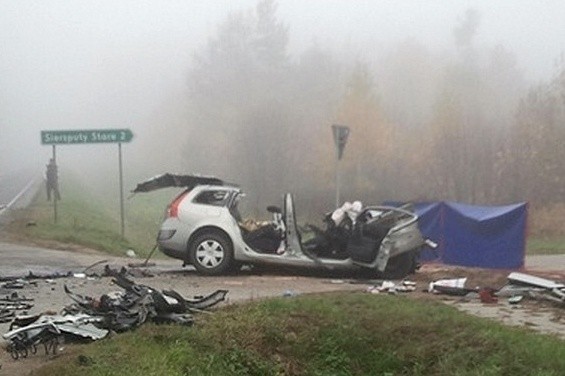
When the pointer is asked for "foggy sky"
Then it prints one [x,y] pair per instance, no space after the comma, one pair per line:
[73,64]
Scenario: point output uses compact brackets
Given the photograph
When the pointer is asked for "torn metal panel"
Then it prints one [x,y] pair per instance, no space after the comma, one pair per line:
[538,288]
[454,284]
[14,297]
[11,304]
[6,315]
[139,303]
[92,318]
[173,180]
[526,279]
[514,290]
[83,330]
[199,303]
[30,277]
[21,341]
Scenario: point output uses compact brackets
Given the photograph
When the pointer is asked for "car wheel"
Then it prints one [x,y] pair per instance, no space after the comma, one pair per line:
[211,253]
[400,266]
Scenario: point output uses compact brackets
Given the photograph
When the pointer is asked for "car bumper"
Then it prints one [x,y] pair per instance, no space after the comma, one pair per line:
[174,253]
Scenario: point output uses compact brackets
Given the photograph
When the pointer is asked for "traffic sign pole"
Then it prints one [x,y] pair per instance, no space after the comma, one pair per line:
[121,188]
[337,183]
[340,133]
[54,194]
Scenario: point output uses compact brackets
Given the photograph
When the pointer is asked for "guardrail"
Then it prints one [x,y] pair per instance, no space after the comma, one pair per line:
[22,199]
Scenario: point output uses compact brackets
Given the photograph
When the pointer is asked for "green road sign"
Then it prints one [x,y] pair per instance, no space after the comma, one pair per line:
[86,136]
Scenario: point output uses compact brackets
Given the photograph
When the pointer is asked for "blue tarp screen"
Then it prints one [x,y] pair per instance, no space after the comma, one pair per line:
[470,235]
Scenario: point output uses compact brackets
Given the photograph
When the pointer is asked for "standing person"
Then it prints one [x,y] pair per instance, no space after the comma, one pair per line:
[52,182]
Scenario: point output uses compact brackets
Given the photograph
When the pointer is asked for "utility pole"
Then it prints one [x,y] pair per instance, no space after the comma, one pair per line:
[340,133]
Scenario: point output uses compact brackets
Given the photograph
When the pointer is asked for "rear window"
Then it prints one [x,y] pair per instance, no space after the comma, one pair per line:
[214,198]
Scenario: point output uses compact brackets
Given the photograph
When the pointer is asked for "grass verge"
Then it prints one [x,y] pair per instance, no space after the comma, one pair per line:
[546,245]
[90,220]
[329,334]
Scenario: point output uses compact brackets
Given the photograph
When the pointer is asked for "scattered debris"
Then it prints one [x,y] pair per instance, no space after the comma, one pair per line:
[525,285]
[487,295]
[138,303]
[530,280]
[31,277]
[518,287]
[454,286]
[289,294]
[11,304]
[515,299]
[32,331]
[92,318]
[17,284]
[392,288]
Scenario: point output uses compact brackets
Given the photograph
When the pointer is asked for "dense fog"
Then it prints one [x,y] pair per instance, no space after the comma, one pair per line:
[445,100]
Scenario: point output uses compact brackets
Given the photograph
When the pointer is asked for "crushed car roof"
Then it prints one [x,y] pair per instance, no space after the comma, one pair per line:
[175,180]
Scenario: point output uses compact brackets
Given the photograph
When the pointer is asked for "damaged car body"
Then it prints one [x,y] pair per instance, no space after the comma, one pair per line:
[204,228]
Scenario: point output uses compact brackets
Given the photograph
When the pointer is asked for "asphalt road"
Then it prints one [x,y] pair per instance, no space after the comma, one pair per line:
[554,263]
[21,259]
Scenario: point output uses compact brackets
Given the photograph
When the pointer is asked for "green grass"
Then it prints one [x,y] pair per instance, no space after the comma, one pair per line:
[329,334]
[93,220]
[545,245]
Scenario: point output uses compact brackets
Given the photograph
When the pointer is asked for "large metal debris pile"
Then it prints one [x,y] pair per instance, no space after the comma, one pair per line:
[89,318]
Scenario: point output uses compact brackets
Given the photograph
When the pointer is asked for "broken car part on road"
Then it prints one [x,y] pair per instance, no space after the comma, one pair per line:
[11,304]
[92,318]
[536,288]
[519,286]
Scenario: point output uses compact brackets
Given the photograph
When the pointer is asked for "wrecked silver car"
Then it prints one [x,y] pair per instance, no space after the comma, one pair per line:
[204,228]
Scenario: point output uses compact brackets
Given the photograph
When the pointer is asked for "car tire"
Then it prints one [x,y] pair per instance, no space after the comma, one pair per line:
[400,266]
[211,253]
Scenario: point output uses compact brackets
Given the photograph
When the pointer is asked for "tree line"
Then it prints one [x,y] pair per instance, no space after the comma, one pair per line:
[461,124]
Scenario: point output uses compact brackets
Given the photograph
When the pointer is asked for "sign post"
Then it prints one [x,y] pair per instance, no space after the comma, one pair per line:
[55,196]
[340,133]
[91,136]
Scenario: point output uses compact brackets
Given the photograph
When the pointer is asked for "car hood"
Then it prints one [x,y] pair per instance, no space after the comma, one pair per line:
[174,180]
